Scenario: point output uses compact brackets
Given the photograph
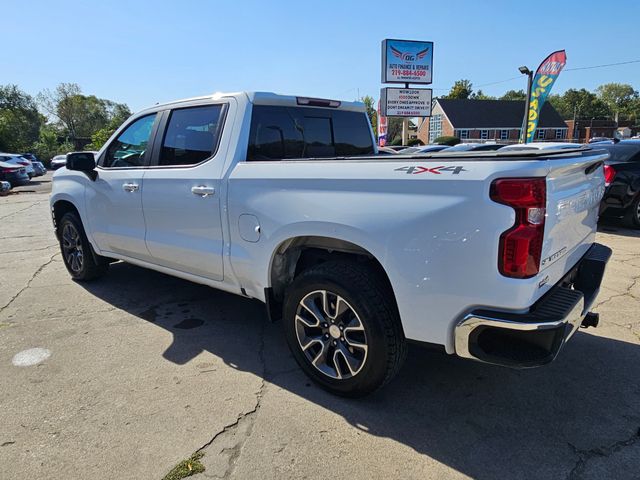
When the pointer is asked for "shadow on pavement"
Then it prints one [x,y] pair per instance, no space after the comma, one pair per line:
[486,422]
[616,227]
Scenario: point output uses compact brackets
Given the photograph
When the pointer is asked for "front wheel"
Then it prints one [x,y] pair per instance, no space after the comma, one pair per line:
[77,254]
[343,328]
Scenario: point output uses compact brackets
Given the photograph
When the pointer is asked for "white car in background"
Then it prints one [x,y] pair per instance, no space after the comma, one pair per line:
[58,161]
[16,159]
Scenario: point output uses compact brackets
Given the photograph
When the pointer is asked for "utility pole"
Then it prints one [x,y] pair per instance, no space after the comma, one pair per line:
[525,121]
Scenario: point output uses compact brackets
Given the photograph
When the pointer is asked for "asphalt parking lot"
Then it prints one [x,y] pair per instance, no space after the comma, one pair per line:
[140,370]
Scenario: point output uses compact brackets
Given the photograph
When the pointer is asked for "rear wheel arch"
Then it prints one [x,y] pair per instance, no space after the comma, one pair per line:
[297,254]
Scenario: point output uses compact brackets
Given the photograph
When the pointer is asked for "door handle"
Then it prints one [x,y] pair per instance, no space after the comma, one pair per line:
[130,187]
[203,191]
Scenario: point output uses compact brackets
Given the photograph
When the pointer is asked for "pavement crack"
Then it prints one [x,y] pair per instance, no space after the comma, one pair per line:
[21,210]
[236,434]
[584,456]
[35,274]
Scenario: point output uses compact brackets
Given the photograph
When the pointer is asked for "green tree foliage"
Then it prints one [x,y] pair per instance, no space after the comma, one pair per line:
[118,114]
[371,113]
[81,115]
[20,121]
[49,145]
[581,103]
[621,99]
[479,95]
[462,89]
[394,130]
[514,95]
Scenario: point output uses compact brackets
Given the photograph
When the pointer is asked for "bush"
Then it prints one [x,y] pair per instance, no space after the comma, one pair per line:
[451,141]
[415,141]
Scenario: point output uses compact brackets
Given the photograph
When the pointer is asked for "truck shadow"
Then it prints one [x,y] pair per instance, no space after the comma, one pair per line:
[616,227]
[485,422]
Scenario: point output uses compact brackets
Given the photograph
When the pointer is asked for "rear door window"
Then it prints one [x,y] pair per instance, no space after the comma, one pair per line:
[191,136]
[304,132]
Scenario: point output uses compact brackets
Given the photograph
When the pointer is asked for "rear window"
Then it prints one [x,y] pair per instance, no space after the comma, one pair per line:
[304,132]
[621,152]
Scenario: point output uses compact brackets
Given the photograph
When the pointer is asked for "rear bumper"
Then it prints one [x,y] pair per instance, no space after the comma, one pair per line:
[532,339]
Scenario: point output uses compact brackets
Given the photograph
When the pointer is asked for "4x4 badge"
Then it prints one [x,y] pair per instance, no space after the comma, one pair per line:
[414,170]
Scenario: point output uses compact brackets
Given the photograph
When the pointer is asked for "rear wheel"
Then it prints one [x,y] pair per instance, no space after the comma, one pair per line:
[343,328]
[77,253]
[632,217]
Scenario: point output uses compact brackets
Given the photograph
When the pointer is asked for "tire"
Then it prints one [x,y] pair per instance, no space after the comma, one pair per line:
[81,261]
[359,345]
[632,217]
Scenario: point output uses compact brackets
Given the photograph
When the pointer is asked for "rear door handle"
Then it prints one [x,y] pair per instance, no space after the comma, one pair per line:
[130,187]
[203,190]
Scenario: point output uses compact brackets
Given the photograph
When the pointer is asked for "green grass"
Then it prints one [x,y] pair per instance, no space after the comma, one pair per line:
[186,468]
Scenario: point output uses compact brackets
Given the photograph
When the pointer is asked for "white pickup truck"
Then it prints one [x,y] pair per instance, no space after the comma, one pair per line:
[283,199]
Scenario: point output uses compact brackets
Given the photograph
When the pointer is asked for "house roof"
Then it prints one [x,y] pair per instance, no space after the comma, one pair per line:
[495,114]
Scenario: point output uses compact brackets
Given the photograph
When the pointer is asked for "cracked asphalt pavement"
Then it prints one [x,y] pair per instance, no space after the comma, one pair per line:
[140,370]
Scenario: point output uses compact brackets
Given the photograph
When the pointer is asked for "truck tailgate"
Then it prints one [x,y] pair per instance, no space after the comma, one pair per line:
[574,189]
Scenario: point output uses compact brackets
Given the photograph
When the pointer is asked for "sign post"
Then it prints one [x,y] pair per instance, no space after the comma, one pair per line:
[405,62]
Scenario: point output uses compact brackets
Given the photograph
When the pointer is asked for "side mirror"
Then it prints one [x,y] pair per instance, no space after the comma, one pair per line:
[83,162]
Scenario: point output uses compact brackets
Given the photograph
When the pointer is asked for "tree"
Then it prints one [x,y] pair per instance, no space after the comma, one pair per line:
[119,114]
[20,120]
[621,98]
[514,95]
[462,89]
[479,95]
[79,114]
[394,130]
[369,103]
[579,103]
[49,145]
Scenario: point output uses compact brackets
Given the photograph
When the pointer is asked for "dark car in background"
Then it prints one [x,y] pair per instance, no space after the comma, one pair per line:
[14,174]
[38,166]
[622,182]
[474,147]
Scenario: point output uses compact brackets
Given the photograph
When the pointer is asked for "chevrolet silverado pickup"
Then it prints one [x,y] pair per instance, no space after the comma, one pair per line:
[284,199]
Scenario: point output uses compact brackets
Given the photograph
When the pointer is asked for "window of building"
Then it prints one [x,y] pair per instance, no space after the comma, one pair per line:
[462,134]
[304,132]
[540,134]
[191,136]
[504,134]
[435,127]
[560,133]
[129,149]
[484,134]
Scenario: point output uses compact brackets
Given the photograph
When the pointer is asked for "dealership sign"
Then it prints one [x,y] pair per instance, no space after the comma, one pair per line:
[405,102]
[407,61]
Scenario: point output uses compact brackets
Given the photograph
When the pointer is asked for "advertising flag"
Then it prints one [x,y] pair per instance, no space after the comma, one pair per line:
[382,128]
[543,81]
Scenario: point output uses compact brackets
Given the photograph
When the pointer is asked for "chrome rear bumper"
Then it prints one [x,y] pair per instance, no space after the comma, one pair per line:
[532,339]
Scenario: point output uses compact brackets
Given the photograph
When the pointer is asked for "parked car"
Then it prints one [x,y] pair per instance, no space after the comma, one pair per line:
[58,161]
[474,147]
[541,146]
[601,140]
[38,166]
[422,149]
[386,151]
[356,253]
[16,159]
[14,174]
[622,176]
[5,187]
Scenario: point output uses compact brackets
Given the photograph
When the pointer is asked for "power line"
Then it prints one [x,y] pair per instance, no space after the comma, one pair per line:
[565,70]
[601,66]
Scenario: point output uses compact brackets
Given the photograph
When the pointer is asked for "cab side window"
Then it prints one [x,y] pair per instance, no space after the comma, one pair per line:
[130,148]
[192,135]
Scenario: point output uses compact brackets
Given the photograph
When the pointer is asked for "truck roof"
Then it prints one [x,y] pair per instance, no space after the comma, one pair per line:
[270,98]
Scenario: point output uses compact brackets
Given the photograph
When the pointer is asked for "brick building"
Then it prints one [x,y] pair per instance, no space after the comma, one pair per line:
[480,120]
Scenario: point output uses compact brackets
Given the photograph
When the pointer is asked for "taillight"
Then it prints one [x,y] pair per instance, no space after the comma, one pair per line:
[520,247]
[24,163]
[609,175]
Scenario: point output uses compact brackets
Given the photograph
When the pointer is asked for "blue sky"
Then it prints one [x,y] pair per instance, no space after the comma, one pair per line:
[141,53]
